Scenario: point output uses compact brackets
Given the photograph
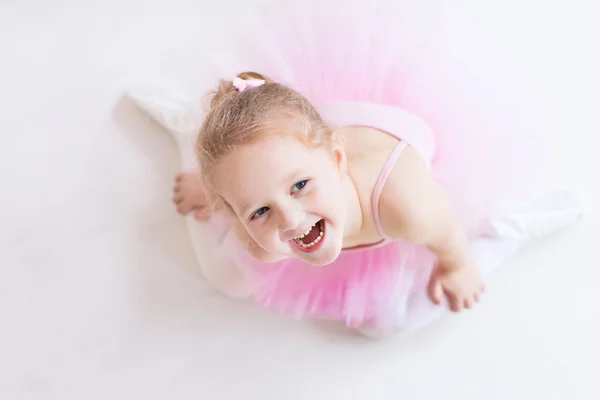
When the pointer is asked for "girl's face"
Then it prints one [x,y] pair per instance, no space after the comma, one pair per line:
[289,197]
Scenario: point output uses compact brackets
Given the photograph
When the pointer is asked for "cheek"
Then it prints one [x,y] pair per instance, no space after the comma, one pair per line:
[332,200]
[329,198]
[264,235]
[333,186]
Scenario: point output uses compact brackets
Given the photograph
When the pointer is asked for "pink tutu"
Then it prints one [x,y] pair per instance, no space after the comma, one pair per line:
[433,63]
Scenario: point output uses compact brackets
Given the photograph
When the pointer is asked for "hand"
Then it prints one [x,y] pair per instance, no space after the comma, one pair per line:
[462,285]
[189,195]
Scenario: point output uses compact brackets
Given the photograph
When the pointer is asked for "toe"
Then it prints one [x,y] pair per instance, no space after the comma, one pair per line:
[202,214]
[178,199]
[182,210]
[183,207]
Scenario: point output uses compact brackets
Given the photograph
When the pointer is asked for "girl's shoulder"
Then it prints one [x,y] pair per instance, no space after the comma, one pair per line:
[367,152]
[392,180]
[409,197]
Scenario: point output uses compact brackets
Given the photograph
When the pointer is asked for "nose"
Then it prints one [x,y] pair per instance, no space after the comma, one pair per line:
[289,221]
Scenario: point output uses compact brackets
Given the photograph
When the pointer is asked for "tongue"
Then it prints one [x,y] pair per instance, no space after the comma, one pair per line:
[312,235]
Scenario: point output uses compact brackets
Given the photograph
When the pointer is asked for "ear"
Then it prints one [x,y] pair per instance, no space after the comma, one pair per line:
[339,154]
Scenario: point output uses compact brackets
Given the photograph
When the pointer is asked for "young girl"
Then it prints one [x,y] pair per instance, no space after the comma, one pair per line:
[372,180]
[339,208]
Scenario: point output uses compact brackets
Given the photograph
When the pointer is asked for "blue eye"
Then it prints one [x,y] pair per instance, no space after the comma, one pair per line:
[259,212]
[299,186]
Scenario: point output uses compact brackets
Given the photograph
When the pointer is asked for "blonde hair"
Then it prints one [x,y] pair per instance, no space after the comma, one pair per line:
[238,118]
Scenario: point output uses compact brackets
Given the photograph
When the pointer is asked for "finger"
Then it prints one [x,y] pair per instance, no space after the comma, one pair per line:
[178,177]
[476,297]
[468,302]
[456,303]
[436,293]
[456,306]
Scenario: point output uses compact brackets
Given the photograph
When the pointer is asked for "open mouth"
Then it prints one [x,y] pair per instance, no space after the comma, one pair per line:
[312,239]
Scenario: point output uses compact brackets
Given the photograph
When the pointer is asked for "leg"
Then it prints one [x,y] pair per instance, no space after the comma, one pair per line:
[181,115]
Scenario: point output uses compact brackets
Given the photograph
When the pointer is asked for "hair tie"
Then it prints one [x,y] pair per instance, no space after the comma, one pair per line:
[243,84]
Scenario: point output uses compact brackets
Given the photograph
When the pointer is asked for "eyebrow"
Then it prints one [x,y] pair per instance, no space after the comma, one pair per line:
[245,209]
[291,176]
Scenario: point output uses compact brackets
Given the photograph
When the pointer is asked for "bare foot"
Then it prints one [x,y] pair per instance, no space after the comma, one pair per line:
[188,195]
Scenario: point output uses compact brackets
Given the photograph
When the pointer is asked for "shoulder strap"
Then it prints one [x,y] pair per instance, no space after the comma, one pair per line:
[381,180]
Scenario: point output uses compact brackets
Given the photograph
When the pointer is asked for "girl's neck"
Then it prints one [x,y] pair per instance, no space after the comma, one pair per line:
[354,212]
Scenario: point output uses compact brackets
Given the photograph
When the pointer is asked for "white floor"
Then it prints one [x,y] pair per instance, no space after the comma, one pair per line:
[98,295]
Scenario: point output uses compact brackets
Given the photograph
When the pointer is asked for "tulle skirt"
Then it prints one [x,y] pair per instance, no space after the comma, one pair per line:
[431,59]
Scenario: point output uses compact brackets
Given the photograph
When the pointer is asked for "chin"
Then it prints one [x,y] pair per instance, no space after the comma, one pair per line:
[322,257]
[326,260]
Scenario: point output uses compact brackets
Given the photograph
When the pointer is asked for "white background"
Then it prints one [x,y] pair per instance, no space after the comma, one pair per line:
[99,297]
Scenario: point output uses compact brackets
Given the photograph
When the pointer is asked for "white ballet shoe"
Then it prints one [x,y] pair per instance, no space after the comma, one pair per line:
[175,110]
[543,216]
[171,107]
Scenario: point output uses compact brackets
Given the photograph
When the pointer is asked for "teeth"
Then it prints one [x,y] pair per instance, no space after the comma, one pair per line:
[307,232]
[314,242]
[317,240]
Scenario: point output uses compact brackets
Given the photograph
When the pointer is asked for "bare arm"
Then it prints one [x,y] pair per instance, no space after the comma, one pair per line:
[416,208]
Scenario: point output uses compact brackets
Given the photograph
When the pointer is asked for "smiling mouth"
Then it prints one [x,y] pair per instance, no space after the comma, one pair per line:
[312,239]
